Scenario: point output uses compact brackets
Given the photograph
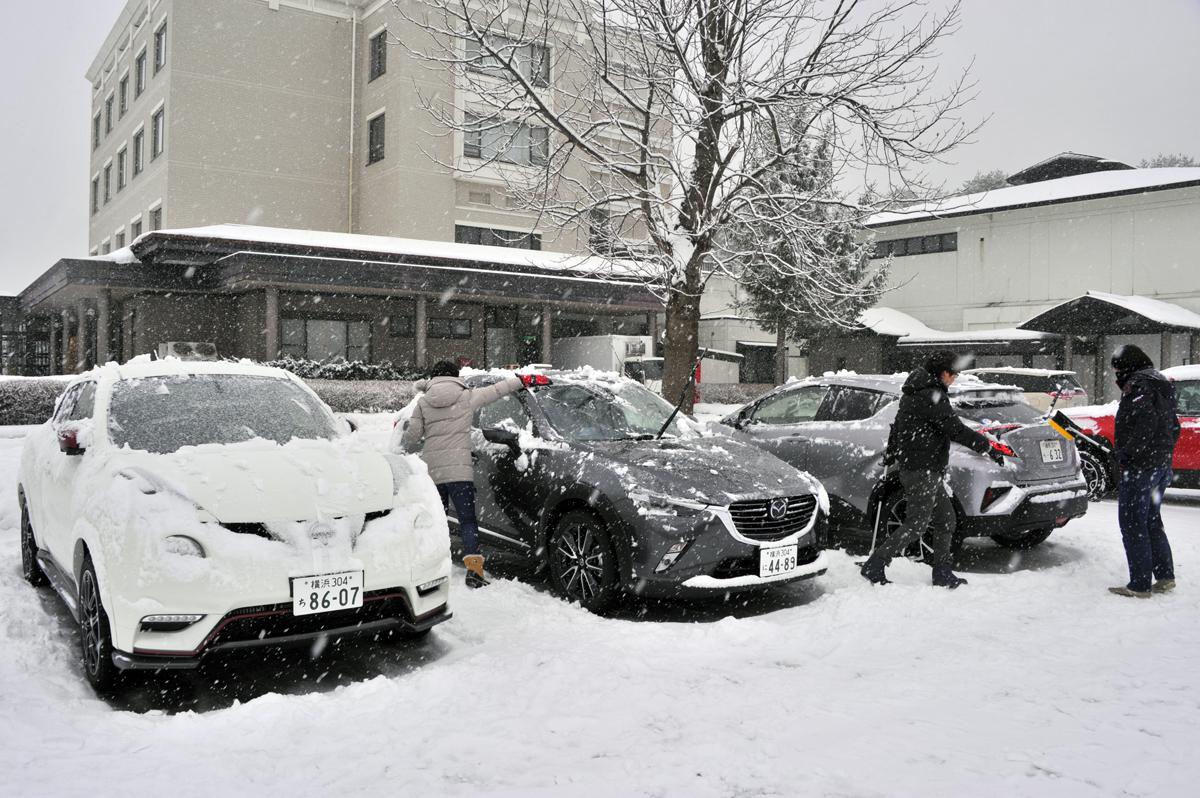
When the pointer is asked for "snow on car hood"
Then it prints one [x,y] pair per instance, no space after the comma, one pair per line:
[260,480]
[715,470]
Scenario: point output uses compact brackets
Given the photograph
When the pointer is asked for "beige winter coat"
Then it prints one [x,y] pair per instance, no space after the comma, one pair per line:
[443,418]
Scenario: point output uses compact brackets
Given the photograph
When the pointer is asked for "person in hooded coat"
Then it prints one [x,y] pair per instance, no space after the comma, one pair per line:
[1147,427]
[442,419]
[919,445]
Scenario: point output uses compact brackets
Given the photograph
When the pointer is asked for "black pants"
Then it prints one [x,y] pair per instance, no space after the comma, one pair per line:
[927,504]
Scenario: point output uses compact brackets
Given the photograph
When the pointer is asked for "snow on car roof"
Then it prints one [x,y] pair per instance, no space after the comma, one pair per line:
[142,366]
[1063,189]
[891,383]
[1191,372]
[1019,370]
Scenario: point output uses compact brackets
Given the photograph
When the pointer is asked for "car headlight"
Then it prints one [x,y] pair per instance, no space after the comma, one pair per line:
[649,503]
[183,546]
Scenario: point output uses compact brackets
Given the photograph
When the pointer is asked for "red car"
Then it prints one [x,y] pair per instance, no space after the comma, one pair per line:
[1099,466]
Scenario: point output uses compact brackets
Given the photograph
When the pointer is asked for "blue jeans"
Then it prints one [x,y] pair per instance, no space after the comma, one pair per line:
[462,494]
[1139,494]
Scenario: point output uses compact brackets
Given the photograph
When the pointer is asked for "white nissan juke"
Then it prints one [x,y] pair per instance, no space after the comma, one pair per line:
[185,508]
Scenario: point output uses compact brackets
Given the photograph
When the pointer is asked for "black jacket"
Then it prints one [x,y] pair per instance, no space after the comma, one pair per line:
[926,424]
[1147,424]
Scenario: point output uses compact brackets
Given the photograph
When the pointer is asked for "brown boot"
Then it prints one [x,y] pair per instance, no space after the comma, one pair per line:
[475,575]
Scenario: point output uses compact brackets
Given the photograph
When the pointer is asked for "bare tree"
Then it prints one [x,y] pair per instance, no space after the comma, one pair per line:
[1165,160]
[656,122]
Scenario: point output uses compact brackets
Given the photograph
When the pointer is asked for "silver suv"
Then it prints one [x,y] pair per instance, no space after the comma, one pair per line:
[836,428]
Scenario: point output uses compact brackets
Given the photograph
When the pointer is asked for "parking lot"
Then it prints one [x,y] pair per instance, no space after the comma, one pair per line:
[1030,681]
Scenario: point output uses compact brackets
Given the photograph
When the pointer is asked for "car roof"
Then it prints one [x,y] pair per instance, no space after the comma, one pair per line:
[143,367]
[892,383]
[1020,370]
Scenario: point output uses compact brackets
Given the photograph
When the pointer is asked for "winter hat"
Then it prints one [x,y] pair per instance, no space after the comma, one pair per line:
[444,368]
[1127,359]
[946,360]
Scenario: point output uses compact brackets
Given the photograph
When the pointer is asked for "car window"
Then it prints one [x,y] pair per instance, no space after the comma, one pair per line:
[1187,397]
[626,411]
[849,404]
[85,403]
[506,413]
[791,407]
[66,403]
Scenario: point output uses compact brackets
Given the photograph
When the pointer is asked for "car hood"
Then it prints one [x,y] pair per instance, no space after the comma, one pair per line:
[260,480]
[716,469]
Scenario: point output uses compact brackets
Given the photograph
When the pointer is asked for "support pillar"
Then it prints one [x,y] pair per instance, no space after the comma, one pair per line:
[1195,348]
[55,357]
[67,366]
[1068,352]
[547,333]
[83,338]
[103,328]
[1164,349]
[1100,391]
[652,329]
[271,324]
[421,334]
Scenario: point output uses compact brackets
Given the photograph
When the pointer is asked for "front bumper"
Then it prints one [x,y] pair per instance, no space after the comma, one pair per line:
[275,625]
[1042,507]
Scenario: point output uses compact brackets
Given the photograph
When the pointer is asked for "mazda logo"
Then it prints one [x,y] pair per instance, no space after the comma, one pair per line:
[777,509]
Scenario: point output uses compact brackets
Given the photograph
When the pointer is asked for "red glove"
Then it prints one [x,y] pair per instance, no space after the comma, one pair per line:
[534,380]
[1002,448]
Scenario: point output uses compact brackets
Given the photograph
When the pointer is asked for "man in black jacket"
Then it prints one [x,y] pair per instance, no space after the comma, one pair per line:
[920,445]
[1146,430]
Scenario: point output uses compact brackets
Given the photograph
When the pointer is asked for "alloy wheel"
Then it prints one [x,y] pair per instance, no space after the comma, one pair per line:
[1094,476]
[895,519]
[579,561]
[90,623]
[30,570]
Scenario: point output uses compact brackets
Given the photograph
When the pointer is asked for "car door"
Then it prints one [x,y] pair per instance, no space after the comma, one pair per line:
[846,441]
[42,494]
[60,498]
[778,423]
[1187,450]
[503,475]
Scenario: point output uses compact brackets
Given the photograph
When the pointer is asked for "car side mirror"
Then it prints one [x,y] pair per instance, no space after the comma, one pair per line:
[505,437]
[68,441]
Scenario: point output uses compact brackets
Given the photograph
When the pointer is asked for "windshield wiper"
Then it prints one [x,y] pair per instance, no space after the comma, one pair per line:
[640,436]
[687,386]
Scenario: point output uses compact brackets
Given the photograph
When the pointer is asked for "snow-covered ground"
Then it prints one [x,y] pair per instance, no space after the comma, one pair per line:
[1031,681]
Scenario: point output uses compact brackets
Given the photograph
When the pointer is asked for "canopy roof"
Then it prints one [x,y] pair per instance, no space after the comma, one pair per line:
[912,332]
[1098,313]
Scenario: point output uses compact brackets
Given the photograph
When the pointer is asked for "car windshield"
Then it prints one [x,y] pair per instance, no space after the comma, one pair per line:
[162,414]
[995,407]
[615,412]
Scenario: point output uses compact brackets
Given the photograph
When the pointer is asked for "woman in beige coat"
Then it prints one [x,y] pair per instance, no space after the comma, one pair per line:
[442,419]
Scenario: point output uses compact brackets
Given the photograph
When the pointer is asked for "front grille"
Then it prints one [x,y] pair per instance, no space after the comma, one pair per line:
[752,519]
[748,566]
[276,620]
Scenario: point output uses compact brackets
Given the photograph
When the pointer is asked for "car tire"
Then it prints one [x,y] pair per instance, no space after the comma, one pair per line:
[30,569]
[95,637]
[1023,541]
[892,517]
[583,563]
[1096,473]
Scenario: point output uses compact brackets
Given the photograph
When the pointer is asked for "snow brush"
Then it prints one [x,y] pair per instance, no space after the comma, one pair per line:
[1067,427]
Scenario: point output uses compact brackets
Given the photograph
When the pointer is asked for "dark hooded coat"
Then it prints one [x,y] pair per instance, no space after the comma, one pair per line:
[926,424]
[1147,426]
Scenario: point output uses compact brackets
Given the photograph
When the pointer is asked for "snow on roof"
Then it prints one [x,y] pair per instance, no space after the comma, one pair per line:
[122,255]
[144,366]
[1063,189]
[1191,372]
[1153,309]
[1019,370]
[356,242]
[892,322]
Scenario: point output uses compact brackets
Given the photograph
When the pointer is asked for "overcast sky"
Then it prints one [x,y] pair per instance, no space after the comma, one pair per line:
[1105,77]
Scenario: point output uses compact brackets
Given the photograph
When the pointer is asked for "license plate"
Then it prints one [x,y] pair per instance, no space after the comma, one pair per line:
[777,561]
[327,592]
[1052,451]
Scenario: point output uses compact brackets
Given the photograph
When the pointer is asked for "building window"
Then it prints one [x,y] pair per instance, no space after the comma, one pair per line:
[107,182]
[95,132]
[507,142]
[123,96]
[375,133]
[156,219]
[139,140]
[139,73]
[532,60]
[95,195]
[157,131]
[378,56]
[122,156]
[135,230]
[326,339]
[119,240]
[401,325]
[449,328]
[916,245]
[160,47]
[465,234]
[108,114]
[105,247]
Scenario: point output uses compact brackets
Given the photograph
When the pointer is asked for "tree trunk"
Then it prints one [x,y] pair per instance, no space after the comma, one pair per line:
[682,333]
[781,363]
